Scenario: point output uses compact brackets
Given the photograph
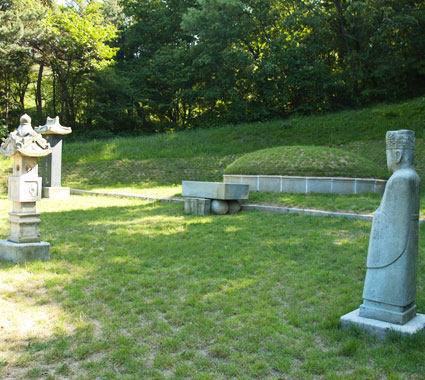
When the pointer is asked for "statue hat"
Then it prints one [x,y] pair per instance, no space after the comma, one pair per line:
[402,139]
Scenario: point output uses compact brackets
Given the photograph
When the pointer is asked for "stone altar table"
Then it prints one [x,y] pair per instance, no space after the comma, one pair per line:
[220,198]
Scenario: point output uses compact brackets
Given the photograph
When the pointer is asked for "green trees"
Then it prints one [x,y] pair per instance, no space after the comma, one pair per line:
[19,25]
[376,45]
[128,66]
[56,51]
[75,51]
[209,61]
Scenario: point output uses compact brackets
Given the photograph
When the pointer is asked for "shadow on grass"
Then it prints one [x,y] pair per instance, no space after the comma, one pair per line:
[148,292]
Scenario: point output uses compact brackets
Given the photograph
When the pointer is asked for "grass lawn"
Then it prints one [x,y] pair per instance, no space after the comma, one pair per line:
[354,203]
[139,290]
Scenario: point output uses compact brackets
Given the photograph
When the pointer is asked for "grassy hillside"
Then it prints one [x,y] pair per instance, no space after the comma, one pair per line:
[203,154]
[328,130]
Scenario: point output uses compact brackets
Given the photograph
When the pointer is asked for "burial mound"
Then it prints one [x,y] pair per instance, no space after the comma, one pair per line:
[306,161]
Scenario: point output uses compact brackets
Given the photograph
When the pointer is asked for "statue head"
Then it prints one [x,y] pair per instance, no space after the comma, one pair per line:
[400,149]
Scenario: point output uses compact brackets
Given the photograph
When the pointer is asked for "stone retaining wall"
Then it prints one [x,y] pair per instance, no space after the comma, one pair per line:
[295,184]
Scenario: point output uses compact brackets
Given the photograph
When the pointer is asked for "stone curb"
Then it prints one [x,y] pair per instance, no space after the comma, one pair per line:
[308,211]
[124,195]
[304,211]
[245,207]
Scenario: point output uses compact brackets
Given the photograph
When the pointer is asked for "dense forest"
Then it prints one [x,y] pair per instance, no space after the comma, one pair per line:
[129,66]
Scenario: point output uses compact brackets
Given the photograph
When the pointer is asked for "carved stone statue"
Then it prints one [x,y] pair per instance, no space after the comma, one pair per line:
[390,286]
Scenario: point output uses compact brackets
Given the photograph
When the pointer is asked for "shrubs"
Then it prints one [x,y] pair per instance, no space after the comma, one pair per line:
[306,161]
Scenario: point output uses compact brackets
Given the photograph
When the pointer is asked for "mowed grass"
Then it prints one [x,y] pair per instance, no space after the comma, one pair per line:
[359,204]
[306,161]
[139,290]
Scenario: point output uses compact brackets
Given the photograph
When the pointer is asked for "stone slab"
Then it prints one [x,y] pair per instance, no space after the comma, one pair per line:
[293,185]
[319,185]
[215,190]
[251,180]
[366,186]
[269,183]
[197,206]
[18,252]
[343,186]
[56,192]
[382,329]
[51,165]
[298,184]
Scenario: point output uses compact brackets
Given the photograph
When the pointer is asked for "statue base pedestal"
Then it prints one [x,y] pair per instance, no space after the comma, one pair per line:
[56,192]
[382,329]
[18,252]
[387,313]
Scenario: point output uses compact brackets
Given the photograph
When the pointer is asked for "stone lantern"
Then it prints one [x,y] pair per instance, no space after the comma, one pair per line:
[51,167]
[24,190]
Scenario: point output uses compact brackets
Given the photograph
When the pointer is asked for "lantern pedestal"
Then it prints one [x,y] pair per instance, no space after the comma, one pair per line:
[17,252]
[24,190]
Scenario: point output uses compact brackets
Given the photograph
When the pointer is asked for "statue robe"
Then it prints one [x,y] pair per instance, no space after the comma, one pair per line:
[393,246]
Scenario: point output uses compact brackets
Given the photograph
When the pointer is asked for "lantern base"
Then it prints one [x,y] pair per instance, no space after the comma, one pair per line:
[18,252]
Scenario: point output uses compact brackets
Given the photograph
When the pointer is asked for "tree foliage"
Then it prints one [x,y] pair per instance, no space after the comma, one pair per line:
[128,66]
[19,25]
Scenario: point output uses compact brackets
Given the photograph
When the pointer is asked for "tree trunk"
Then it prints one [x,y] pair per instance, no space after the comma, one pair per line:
[54,94]
[341,28]
[22,93]
[6,113]
[38,100]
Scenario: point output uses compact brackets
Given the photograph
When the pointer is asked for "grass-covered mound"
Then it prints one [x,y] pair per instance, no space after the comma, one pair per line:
[306,161]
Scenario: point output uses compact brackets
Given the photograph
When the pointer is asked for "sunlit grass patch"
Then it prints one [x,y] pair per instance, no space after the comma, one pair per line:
[357,203]
[139,290]
[146,189]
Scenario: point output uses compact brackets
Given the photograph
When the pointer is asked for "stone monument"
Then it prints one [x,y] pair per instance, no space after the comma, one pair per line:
[51,166]
[389,292]
[24,190]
